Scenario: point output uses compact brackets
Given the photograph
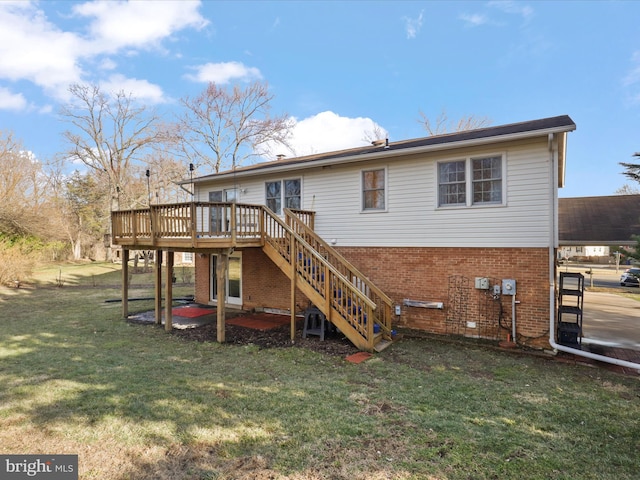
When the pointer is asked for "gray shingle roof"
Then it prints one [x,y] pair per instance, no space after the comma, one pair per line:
[559,123]
[610,220]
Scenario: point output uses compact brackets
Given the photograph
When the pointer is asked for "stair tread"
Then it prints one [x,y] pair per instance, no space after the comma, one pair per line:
[380,346]
[306,262]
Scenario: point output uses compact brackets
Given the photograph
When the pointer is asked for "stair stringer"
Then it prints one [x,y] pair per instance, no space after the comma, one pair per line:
[384,305]
[327,307]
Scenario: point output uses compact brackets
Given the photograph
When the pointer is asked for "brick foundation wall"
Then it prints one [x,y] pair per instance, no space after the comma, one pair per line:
[448,275]
[444,275]
[202,289]
[263,283]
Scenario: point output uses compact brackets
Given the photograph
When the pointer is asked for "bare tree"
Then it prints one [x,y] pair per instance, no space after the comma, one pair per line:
[443,124]
[27,212]
[85,209]
[110,134]
[226,127]
[22,189]
[166,173]
[627,189]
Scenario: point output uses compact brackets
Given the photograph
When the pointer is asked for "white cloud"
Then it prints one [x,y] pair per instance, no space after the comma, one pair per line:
[225,72]
[11,101]
[634,75]
[122,25]
[326,132]
[632,79]
[34,49]
[511,7]
[474,19]
[413,25]
[139,89]
[107,64]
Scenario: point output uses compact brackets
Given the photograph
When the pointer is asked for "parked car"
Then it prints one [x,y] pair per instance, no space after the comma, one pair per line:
[630,277]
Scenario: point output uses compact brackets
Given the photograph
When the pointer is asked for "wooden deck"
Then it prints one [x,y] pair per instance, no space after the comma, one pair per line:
[196,226]
[344,295]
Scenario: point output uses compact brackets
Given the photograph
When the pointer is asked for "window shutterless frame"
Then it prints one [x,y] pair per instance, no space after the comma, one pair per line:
[287,193]
[478,180]
[373,187]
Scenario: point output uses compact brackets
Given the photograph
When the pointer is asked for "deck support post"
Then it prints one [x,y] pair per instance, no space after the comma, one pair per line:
[221,282]
[168,314]
[157,295]
[125,282]
[293,256]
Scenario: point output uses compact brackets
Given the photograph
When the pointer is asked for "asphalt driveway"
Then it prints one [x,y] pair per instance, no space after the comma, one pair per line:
[611,320]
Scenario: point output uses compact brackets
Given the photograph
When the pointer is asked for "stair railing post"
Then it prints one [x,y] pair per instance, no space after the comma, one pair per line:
[294,279]
[327,289]
[370,323]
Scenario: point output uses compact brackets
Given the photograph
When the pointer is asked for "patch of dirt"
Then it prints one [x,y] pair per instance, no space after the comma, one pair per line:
[280,337]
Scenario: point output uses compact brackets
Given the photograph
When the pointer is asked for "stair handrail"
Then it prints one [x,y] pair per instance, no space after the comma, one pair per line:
[325,263]
[353,272]
[349,266]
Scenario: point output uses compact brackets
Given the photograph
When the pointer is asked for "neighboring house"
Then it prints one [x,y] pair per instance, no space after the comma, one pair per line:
[589,226]
[583,251]
[449,234]
[184,258]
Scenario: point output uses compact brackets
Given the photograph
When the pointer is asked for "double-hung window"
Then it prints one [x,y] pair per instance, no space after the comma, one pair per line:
[471,181]
[374,190]
[487,179]
[283,192]
[452,186]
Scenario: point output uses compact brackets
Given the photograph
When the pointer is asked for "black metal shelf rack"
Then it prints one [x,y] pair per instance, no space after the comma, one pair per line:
[570,309]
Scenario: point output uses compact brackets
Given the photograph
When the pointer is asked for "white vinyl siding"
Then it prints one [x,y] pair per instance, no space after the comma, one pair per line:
[413,217]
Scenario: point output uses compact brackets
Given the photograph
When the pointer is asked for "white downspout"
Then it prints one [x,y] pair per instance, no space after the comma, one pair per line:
[553,235]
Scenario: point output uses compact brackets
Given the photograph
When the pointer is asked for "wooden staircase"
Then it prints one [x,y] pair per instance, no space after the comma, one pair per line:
[346,297]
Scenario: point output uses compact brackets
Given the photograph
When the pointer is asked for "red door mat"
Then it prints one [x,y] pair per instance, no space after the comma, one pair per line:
[358,357]
[261,321]
[192,312]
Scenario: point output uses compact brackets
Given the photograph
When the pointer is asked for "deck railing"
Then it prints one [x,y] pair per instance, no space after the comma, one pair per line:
[196,223]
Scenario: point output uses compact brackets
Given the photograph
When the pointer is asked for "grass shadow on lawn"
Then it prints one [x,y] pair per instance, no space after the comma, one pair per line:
[134,402]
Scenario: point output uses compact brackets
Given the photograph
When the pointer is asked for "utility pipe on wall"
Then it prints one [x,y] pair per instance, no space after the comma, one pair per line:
[513,317]
[553,233]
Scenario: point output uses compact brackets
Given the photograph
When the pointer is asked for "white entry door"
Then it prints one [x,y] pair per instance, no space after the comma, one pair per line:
[233,287]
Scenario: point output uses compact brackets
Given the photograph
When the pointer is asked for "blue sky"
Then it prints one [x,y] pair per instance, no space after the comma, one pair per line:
[340,68]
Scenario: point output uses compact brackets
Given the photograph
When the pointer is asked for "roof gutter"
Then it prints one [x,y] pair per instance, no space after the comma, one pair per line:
[381,153]
[595,242]
[553,161]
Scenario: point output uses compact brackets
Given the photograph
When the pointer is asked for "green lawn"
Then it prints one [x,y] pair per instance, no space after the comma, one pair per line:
[137,403]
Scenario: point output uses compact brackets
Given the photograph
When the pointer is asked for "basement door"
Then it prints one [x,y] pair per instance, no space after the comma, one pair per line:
[234,279]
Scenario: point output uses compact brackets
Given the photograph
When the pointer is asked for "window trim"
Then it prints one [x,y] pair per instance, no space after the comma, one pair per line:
[469,181]
[283,196]
[386,190]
